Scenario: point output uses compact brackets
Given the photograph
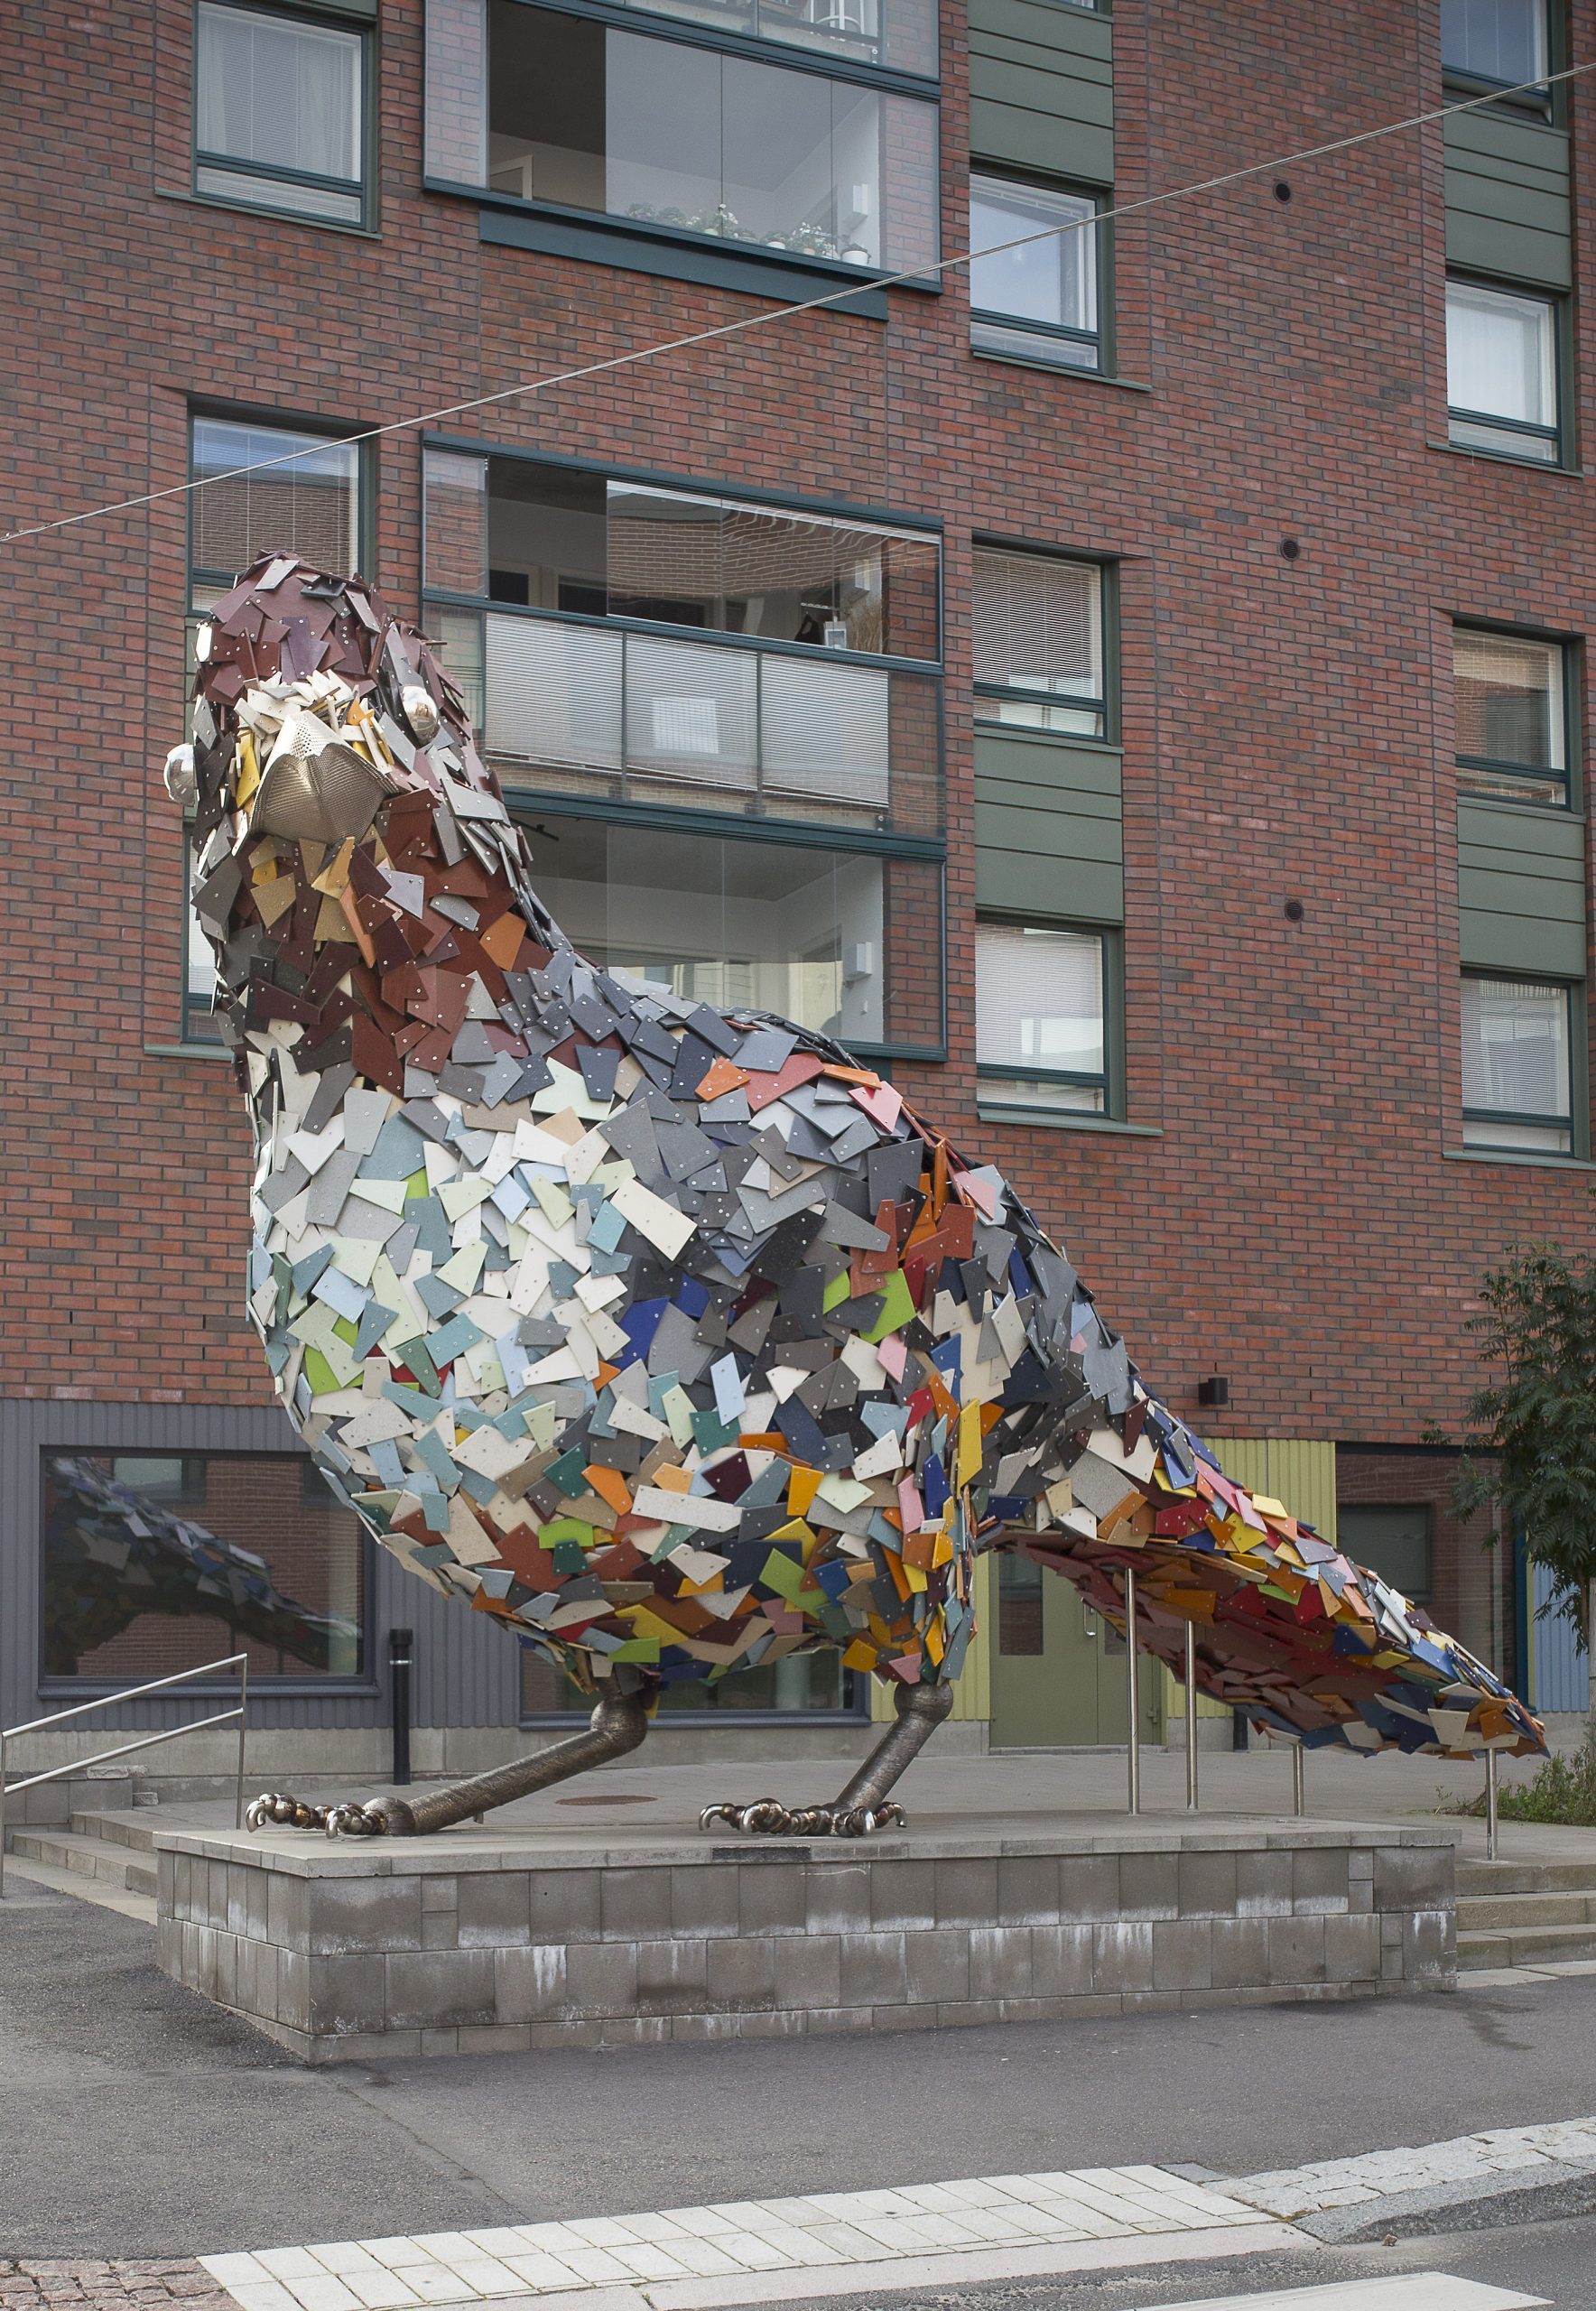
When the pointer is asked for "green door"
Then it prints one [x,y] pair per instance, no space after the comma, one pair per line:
[1058,1668]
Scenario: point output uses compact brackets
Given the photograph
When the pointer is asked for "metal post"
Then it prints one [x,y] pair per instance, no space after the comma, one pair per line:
[1,1813]
[1490,1805]
[243,1720]
[401,1650]
[1190,1717]
[1133,1693]
[1299,1782]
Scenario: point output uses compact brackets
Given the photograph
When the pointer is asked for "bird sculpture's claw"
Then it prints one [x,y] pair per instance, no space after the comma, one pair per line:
[347,1821]
[768,1817]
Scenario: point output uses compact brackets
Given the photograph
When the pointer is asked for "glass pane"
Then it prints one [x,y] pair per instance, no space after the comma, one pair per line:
[1502,440]
[553,694]
[546,97]
[801,1681]
[1019,1606]
[1509,701]
[823,734]
[545,537]
[1516,1049]
[309,506]
[1394,1513]
[667,557]
[278,92]
[1501,355]
[1038,998]
[1052,279]
[692,712]
[1395,1543]
[199,978]
[280,192]
[778,182]
[1495,40]
[1039,626]
[457,90]
[662,136]
[454,501]
[458,638]
[153,1563]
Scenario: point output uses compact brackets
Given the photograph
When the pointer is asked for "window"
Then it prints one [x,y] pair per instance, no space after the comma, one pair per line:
[1510,697]
[1501,372]
[160,1562]
[280,114]
[813,1683]
[1038,302]
[1518,1084]
[1393,1542]
[1041,1028]
[1019,1606]
[311,507]
[666,132]
[835,940]
[1500,44]
[1039,642]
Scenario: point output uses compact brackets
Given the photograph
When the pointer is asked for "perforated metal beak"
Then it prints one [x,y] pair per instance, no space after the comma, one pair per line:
[315,788]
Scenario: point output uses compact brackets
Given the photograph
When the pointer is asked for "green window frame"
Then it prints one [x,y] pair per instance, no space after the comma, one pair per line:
[1550,1127]
[1543,770]
[1029,204]
[1056,610]
[1473,65]
[278,181]
[1013,1073]
[1497,433]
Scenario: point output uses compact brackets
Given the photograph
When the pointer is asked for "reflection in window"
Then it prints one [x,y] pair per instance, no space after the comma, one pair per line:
[278,114]
[1039,302]
[798,1682]
[309,507]
[155,1563]
[1040,1029]
[1393,1542]
[586,117]
[830,939]
[1508,694]
[1501,372]
[1516,1081]
[1504,41]
[1019,1606]
[1039,642]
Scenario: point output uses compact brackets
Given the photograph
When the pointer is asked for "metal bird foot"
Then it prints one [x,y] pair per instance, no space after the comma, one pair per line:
[339,1821]
[768,1817]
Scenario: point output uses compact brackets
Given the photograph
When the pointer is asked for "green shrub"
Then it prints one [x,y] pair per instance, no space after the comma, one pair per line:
[1564,1790]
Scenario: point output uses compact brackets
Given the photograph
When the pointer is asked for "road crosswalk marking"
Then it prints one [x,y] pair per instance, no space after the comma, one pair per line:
[1413,2291]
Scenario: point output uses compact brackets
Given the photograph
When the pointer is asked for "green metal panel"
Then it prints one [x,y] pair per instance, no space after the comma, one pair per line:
[1042,88]
[1521,890]
[1047,828]
[1508,209]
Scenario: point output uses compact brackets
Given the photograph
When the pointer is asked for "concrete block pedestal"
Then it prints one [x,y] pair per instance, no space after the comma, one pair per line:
[486,1940]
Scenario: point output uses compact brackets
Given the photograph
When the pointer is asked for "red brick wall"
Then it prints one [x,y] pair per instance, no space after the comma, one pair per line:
[1296,1225]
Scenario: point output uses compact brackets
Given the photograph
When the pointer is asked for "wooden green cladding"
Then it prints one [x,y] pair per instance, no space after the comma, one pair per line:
[1508,198]
[1521,890]
[1048,828]
[1042,88]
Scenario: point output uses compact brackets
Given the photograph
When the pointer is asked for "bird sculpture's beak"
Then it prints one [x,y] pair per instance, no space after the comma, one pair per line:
[315,788]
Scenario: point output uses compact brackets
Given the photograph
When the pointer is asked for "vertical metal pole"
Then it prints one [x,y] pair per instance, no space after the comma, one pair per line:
[1190,1717]
[1,1813]
[401,1648]
[1490,1805]
[1299,1781]
[243,1720]
[1133,1693]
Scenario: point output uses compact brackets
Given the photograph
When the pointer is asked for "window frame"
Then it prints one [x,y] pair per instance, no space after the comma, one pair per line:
[327,19]
[364,1684]
[1545,103]
[1101,238]
[643,23]
[189,1009]
[1560,433]
[1109,705]
[1570,692]
[990,1101]
[1577,1122]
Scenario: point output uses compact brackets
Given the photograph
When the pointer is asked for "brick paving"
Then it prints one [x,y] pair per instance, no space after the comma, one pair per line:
[62,2283]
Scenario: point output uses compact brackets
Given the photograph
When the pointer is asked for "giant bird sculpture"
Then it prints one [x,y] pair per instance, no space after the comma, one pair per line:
[672,1337]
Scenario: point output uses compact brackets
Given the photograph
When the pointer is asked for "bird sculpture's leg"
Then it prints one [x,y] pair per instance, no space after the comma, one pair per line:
[618,1724]
[864,1804]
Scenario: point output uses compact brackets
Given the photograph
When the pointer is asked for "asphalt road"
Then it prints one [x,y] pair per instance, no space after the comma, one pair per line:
[136,2120]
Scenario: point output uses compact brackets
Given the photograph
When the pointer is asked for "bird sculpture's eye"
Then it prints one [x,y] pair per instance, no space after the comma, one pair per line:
[420,711]
[202,646]
[182,783]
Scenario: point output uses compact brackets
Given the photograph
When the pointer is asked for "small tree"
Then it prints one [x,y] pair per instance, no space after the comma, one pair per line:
[1537,1420]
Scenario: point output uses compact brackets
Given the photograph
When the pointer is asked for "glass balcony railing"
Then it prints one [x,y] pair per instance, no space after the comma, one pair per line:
[631,715]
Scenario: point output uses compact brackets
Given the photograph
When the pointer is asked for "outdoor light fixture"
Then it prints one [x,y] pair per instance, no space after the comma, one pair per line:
[1214,1390]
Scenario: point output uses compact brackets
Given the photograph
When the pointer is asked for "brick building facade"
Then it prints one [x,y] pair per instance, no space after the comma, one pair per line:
[1143,633]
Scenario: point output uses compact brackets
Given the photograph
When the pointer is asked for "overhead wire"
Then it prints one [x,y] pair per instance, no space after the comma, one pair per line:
[874,282]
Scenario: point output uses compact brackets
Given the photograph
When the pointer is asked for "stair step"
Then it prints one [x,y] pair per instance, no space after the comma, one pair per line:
[1524,1945]
[84,1889]
[1526,1877]
[1486,1912]
[131,1828]
[78,1856]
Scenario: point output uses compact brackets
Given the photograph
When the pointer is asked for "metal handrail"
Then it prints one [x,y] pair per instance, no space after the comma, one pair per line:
[239,1661]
